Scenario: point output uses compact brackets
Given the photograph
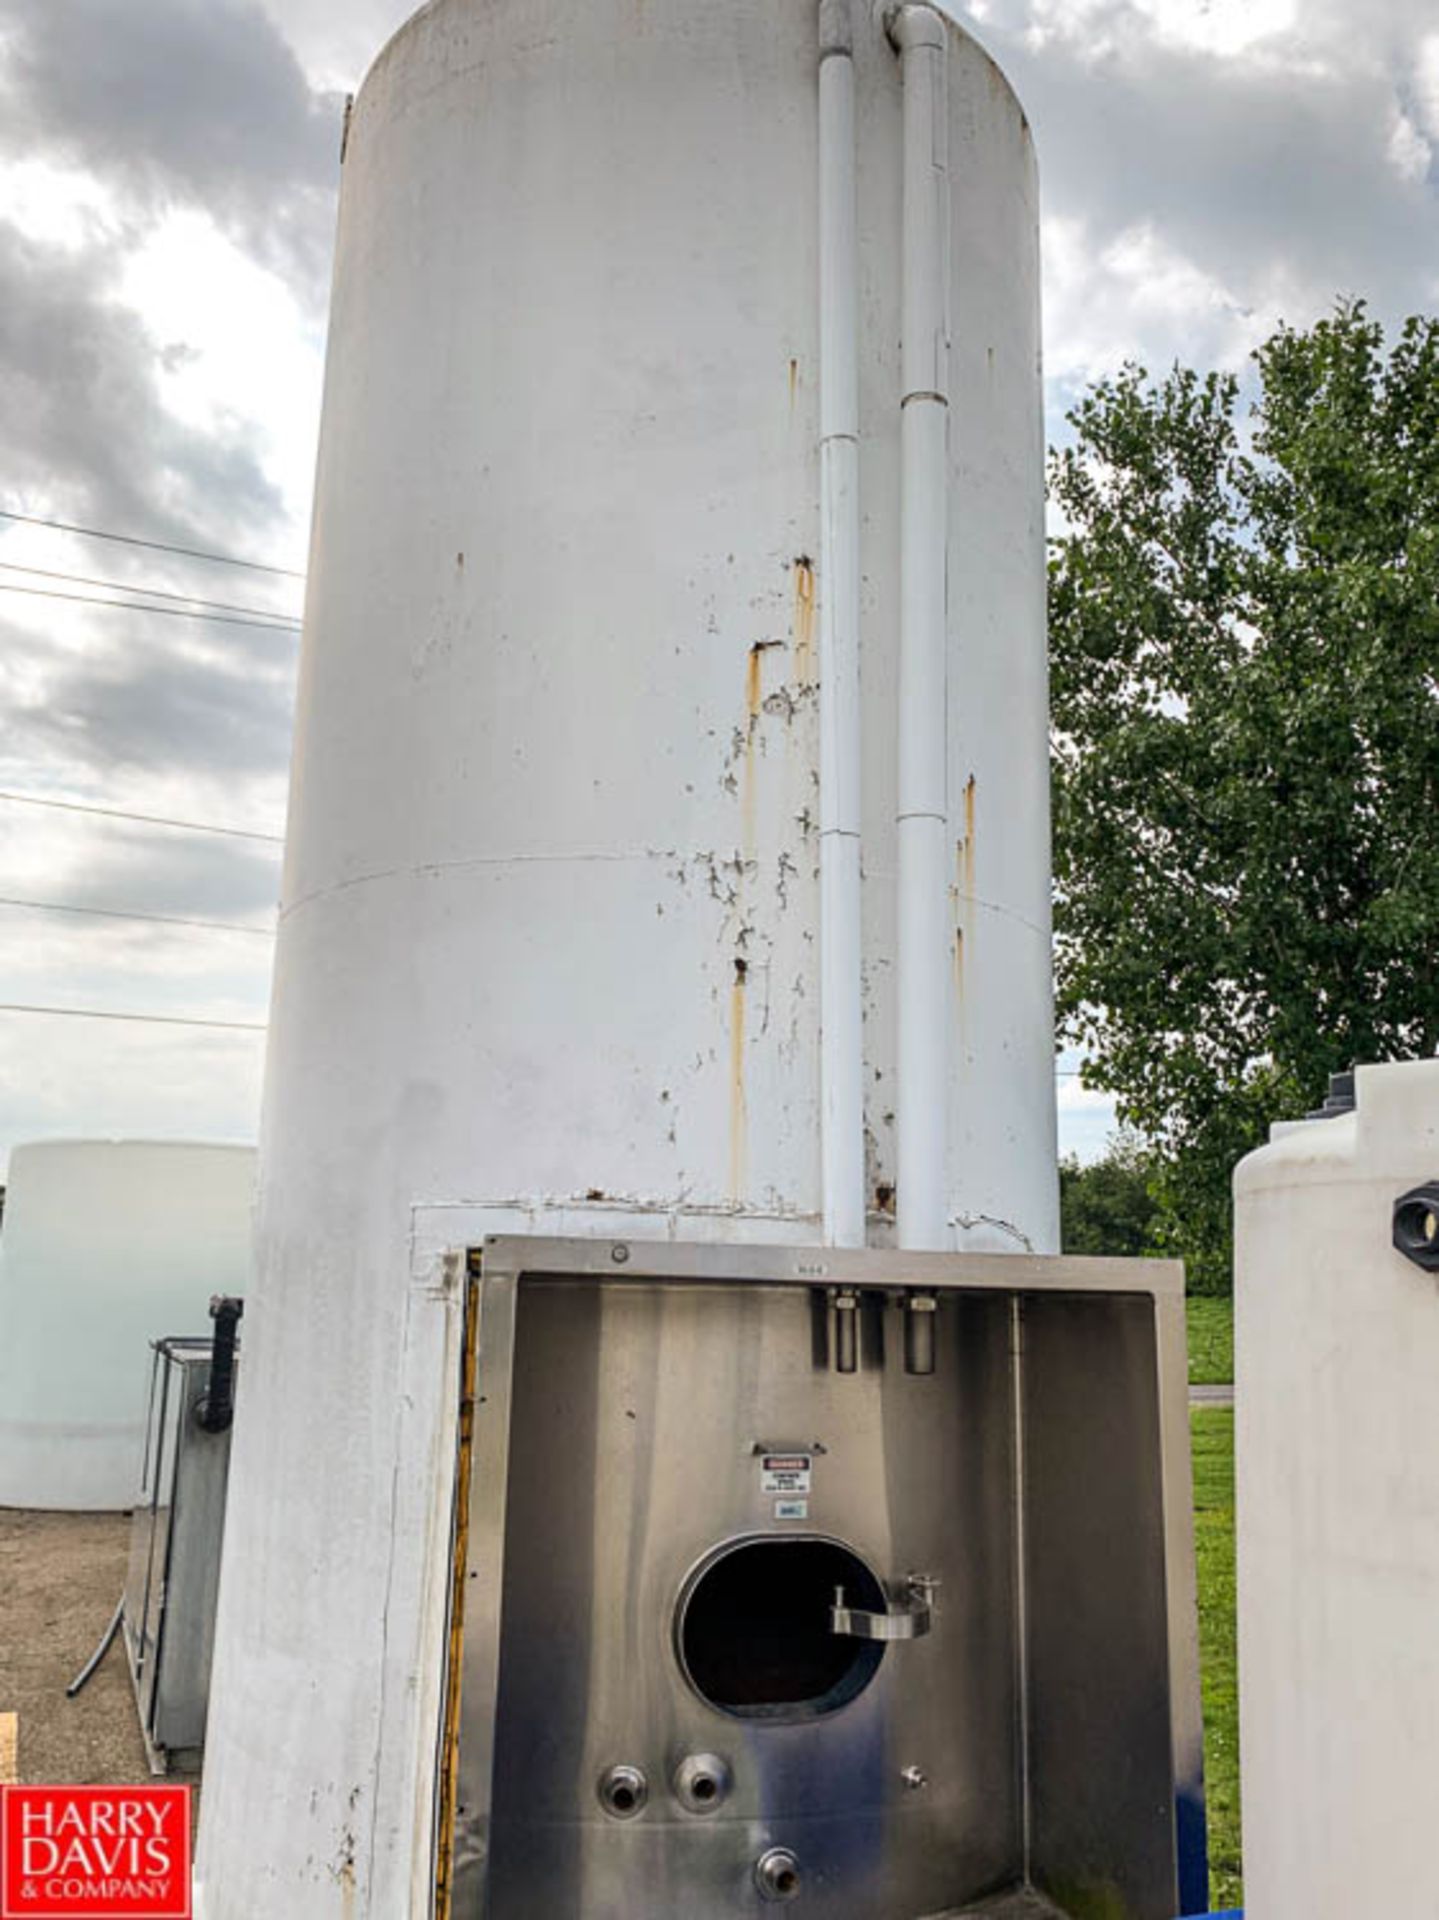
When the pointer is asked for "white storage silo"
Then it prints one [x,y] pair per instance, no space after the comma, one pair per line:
[553,949]
[106,1246]
[1337,1456]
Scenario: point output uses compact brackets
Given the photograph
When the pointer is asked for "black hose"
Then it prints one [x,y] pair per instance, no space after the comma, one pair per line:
[216,1410]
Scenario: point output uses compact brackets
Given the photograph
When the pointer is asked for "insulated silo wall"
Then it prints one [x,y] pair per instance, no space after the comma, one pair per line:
[548,950]
[106,1246]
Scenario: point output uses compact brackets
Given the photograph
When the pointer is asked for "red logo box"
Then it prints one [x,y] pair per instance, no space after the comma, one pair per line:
[87,1853]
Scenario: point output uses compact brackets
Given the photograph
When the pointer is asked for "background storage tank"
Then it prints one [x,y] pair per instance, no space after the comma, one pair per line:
[1337,1438]
[107,1245]
[549,948]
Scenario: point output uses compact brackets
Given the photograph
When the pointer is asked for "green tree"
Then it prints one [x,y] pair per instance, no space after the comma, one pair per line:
[1245,645]
[1108,1207]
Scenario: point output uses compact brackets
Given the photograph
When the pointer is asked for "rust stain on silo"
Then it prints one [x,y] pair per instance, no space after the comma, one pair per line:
[966,880]
[804,620]
[793,380]
[754,680]
[738,1115]
[964,897]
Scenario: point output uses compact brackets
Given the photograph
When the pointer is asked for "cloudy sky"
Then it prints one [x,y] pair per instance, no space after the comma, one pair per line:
[168,172]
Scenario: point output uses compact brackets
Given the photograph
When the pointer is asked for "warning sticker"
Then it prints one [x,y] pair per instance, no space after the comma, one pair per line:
[785,1472]
[791,1509]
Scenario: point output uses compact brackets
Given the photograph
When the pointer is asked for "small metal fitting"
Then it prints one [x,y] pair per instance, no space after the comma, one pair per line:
[702,1782]
[920,1313]
[910,1620]
[623,1791]
[1416,1225]
[619,1253]
[846,1330]
[914,1778]
[776,1874]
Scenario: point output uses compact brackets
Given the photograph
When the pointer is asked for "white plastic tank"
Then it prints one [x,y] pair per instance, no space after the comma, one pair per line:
[1337,1437]
[548,955]
[106,1246]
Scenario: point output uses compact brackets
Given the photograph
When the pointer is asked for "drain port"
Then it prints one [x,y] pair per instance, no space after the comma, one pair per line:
[623,1791]
[777,1874]
[702,1782]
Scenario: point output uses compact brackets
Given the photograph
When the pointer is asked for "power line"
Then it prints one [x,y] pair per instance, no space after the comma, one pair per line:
[154,546]
[151,593]
[145,819]
[150,1019]
[159,919]
[280,624]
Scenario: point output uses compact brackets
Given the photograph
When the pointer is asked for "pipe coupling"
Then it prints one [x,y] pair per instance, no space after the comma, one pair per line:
[776,1874]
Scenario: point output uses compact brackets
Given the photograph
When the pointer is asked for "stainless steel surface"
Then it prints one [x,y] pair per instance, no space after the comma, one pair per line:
[626,1408]
[1025,1905]
[176,1535]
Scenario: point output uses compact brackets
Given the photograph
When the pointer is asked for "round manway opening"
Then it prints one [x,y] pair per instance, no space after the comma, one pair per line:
[754,1629]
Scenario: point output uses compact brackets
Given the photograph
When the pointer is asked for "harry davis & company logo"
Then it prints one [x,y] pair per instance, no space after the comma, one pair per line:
[87,1853]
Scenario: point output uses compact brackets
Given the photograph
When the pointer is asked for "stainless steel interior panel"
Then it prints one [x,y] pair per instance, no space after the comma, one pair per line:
[1101,1838]
[663,1401]
[645,1412]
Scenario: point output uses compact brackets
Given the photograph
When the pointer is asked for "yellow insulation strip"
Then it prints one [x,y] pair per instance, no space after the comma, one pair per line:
[450,1747]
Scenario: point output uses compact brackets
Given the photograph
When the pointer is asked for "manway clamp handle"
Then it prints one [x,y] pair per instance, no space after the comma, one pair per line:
[911,1619]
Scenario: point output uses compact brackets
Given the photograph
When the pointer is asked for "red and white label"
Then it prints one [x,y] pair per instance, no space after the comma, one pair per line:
[784,1473]
[86,1853]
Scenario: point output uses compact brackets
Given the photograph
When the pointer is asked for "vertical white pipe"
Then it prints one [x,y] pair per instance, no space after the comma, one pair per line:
[925,934]
[841,1017]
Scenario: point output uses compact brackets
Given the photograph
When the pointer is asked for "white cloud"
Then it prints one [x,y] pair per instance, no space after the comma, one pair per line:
[61,206]
[1426,81]
[237,350]
[1410,154]
[1223,27]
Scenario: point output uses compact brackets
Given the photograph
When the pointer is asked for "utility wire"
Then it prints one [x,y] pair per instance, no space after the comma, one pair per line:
[145,819]
[280,624]
[151,1019]
[151,593]
[154,546]
[159,919]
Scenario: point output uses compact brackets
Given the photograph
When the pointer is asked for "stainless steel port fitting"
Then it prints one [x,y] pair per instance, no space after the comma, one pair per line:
[702,1782]
[776,1874]
[623,1791]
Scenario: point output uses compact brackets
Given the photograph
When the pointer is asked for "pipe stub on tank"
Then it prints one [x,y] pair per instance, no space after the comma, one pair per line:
[623,1791]
[776,1874]
[702,1782]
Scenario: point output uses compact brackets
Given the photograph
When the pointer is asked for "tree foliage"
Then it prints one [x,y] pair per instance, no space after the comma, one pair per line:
[1245,654]
[1108,1207]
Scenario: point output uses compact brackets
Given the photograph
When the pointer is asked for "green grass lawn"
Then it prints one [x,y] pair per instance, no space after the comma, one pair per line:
[1213,1442]
[1211,1341]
